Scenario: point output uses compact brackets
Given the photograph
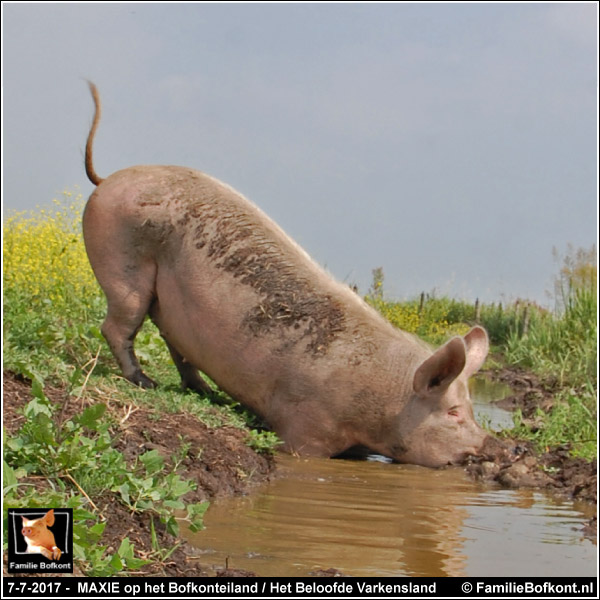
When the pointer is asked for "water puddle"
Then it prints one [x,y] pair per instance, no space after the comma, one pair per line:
[483,393]
[372,518]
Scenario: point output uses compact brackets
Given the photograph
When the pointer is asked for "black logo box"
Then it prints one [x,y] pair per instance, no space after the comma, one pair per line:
[20,561]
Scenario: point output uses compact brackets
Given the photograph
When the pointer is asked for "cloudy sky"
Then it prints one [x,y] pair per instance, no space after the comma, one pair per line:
[452,144]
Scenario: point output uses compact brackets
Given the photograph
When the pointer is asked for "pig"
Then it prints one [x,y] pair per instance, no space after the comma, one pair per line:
[235,298]
[39,539]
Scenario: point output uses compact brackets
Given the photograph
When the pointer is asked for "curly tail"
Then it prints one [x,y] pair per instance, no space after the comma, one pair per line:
[89,167]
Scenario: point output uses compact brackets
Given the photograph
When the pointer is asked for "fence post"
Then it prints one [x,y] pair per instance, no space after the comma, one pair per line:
[422,302]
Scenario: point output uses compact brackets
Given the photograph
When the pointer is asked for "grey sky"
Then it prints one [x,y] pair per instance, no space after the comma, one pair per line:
[452,144]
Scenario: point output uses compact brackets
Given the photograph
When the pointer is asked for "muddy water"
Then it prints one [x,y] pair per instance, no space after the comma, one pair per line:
[372,518]
[483,393]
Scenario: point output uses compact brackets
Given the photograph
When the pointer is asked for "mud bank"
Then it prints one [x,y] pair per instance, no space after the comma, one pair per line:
[520,466]
[218,460]
[529,392]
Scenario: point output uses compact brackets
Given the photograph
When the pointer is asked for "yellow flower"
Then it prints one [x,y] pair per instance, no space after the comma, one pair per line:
[44,256]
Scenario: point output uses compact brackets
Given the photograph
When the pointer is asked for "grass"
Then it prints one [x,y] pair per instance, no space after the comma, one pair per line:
[562,348]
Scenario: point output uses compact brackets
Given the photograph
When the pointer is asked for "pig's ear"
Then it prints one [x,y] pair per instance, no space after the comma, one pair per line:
[49,517]
[436,373]
[478,346]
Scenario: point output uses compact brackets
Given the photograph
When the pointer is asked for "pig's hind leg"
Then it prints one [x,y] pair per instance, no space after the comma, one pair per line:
[129,298]
[190,378]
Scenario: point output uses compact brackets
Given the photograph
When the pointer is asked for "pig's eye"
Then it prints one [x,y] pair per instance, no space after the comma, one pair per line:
[454,411]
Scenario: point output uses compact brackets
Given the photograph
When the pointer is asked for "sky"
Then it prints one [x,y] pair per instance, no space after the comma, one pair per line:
[453,145]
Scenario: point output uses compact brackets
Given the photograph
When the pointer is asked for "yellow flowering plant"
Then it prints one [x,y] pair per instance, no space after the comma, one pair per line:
[44,257]
[52,303]
[431,323]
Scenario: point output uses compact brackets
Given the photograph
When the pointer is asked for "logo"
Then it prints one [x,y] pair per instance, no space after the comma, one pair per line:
[40,540]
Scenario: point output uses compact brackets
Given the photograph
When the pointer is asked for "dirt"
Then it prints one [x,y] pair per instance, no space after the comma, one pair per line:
[240,241]
[518,465]
[218,460]
[529,392]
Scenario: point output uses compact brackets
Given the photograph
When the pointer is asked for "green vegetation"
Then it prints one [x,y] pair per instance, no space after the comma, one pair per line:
[562,348]
[53,308]
[77,455]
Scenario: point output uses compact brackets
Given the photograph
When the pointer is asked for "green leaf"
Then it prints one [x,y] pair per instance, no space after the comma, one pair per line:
[29,372]
[97,530]
[90,416]
[124,491]
[198,509]
[172,526]
[95,332]
[153,462]
[196,526]
[196,513]
[166,556]
[178,487]
[125,549]
[78,551]
[153,536]
[37,389]
[116,563]
[9,477]
[174,504]
[42,430]
[126,553]
[37,406]
[76,377]
[15,444]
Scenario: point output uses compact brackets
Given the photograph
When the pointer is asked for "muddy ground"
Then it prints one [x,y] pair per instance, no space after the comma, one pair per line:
[520,465]
[221,463]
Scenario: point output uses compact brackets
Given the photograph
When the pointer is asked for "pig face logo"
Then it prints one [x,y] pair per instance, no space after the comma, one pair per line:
[40,540]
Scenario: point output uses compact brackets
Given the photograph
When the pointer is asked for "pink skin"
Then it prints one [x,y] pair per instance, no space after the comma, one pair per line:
[40,540]
[234,297]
